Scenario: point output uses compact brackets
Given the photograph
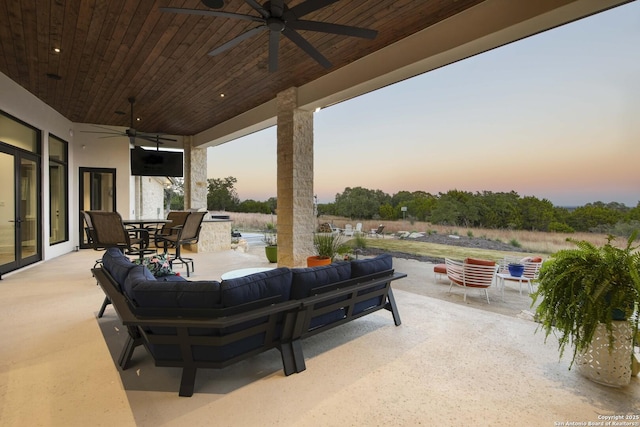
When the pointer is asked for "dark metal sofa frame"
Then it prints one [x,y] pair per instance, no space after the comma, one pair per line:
[285,323]
[346,294]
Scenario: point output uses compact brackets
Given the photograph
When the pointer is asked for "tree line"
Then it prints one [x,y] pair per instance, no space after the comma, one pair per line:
[485,209]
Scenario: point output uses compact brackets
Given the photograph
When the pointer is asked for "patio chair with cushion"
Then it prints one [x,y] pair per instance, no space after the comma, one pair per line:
[471,273]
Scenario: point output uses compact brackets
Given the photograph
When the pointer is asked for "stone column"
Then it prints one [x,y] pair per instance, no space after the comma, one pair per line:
[195,176]
[295,181]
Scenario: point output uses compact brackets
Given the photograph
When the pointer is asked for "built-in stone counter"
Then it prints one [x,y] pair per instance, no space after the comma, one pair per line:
[215,236]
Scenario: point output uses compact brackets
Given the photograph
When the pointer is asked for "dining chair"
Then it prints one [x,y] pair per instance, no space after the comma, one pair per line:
[189,233]
[177,220]
[109,232]
[90,234]
[106,230]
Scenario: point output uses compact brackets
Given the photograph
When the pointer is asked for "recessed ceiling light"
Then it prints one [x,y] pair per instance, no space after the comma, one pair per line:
[137,119]
[56,49]
[222,95]
[213,4]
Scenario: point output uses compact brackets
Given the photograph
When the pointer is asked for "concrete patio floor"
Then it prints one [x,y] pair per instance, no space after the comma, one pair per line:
[450,363]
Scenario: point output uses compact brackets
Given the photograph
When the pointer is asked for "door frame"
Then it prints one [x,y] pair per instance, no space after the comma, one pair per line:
[81,194]
[20,261]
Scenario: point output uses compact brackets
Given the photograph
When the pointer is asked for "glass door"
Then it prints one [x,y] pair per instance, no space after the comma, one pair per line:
[7,212]
[20,228]
[97,193]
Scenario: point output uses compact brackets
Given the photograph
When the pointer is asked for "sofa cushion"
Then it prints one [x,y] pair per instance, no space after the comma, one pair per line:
[177,294]
[363,267]
[170,291]
[475,261]
[136,275]
[117,264]
[305,279]
[241,290]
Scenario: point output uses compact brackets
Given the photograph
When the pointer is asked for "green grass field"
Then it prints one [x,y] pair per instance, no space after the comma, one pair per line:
[439,251]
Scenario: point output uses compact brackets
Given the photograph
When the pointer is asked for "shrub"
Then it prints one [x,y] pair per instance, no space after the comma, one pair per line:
[560,227]
[515,243]
[359,241]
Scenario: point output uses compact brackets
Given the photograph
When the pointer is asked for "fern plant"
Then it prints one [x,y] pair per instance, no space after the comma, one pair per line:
[583,287]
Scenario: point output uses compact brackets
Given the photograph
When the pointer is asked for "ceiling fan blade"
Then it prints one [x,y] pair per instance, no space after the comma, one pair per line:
[231,43]
[102,127]
[325,27]
[274,44]
[211,13]
[277,8]
[261,10]
[308,6]
[306,46]
[109,134]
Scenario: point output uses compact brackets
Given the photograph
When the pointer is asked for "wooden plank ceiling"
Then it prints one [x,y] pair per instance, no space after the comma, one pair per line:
[111,50]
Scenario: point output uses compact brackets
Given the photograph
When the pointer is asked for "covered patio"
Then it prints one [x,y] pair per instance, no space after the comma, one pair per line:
[449,363]
[66,71]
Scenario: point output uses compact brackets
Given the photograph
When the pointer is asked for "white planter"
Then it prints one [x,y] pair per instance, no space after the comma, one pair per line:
[604,367]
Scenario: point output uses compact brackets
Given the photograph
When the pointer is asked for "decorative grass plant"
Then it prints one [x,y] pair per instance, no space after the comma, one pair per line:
[327,245]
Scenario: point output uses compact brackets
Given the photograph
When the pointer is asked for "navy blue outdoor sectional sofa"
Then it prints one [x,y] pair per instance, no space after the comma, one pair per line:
[212,324]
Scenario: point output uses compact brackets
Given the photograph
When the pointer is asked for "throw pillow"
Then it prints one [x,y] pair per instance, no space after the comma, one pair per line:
[157,264]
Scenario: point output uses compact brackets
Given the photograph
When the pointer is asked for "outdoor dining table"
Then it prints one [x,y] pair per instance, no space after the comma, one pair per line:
[148,224]
[145,223]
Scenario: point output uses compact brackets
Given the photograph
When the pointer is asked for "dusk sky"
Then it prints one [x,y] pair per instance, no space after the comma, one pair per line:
[555,116]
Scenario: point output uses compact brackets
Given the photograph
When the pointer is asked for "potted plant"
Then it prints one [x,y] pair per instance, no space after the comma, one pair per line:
[271,240]
[327,246]
[589,297]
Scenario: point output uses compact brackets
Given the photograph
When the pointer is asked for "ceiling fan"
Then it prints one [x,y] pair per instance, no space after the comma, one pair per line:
[277,18]
[131,131]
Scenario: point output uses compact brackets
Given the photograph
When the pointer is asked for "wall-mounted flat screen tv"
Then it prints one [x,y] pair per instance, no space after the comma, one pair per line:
[156,162]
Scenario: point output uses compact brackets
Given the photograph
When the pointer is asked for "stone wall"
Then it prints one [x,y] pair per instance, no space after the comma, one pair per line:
[151,201]
[195,173]
[215,236]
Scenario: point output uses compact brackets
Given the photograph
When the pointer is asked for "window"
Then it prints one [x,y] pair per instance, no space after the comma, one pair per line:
[58,190]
